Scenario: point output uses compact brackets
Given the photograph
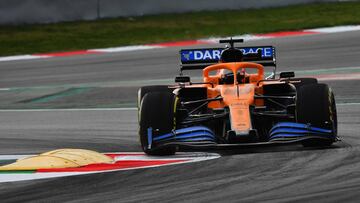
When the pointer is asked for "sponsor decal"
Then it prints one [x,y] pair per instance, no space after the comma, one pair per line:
[206,55]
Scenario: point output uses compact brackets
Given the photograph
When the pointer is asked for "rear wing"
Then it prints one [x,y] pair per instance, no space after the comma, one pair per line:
[192,59]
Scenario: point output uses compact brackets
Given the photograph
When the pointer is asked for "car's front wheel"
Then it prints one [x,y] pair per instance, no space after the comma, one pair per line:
[158,115]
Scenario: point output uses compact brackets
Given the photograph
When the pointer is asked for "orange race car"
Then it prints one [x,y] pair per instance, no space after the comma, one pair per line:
[235,104]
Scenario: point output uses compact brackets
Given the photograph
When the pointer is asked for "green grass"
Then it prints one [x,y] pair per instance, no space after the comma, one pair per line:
[69,36]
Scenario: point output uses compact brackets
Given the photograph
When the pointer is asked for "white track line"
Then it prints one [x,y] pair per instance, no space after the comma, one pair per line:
[352,76]
[21,57]
[13,157]
[4,89]
[336,29]
[126,48]
[347,104]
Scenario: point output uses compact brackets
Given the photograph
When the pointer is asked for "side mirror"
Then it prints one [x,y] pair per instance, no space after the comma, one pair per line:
[287,74]
[182,79]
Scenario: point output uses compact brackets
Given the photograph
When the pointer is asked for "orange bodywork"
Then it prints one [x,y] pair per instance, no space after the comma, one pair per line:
[237,96]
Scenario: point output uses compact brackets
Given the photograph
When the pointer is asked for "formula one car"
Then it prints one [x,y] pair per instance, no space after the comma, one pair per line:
[235,105]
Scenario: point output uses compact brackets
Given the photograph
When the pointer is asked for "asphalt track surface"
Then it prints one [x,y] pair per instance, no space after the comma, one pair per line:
[280,174]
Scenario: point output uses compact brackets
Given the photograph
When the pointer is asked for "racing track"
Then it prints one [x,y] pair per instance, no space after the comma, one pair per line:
[274,174]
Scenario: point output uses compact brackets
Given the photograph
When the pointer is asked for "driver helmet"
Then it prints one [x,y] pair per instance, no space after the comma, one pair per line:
[231,55]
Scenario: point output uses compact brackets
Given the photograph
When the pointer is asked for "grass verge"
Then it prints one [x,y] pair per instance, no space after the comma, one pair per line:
[25,39]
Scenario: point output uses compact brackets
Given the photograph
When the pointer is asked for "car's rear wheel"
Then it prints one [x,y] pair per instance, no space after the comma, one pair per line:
[158,112]
[315,105]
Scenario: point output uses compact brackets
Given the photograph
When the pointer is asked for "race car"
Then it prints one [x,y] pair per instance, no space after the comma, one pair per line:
[235,104]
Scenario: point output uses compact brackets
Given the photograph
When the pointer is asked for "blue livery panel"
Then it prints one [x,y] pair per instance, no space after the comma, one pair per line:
[213,54]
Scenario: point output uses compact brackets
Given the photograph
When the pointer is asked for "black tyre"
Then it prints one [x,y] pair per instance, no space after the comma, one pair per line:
[146,89]
[303,81]
[157,111]
[315,104]
[154,88]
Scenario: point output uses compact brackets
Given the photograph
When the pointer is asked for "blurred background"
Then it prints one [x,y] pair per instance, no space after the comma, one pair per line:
[45,11]
[40,26]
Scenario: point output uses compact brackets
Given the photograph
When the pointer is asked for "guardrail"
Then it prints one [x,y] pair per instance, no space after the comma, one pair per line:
[45,11]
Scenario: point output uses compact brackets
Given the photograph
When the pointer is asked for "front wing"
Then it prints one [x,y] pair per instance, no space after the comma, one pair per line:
[200,137]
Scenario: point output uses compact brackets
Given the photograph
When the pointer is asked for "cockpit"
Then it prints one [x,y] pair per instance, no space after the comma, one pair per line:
[227,77]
